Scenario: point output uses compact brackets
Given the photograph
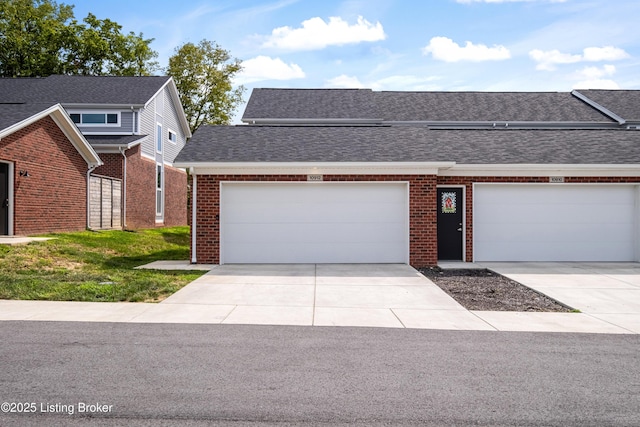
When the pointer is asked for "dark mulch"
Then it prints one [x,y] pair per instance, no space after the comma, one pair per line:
[486,290]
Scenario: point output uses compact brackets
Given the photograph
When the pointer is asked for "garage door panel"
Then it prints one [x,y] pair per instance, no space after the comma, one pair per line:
[298,212]
[314,223]
[312,253]
[554,223]
[310,233]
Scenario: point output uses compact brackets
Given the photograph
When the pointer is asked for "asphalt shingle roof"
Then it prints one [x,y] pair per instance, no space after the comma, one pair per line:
[625,103]
[115,140]
[420,106]
[11,114]
[311,103]
[487,107]
[409,144]
[121,90]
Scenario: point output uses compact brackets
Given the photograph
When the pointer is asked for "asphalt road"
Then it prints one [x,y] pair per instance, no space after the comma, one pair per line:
[102,374]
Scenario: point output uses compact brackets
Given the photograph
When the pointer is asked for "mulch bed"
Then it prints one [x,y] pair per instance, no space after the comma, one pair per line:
[486,290]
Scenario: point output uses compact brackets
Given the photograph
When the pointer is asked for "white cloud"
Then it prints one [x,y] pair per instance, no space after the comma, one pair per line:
[267,68]
[406,82]
[547,60]
[593,78]
[344,81]
[316,34]
[607,53]
[445,49]
[396,82]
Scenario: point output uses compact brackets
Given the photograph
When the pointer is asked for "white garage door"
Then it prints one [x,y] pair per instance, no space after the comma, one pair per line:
[314,223]
[553,223]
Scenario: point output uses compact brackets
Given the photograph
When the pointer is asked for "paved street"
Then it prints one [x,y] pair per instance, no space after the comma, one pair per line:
[178,374]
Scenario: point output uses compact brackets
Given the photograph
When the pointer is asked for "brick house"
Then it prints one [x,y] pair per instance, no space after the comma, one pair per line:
[136,125]
[357,176]
[44,166]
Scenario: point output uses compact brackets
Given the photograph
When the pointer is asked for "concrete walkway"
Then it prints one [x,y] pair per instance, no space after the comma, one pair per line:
[388,295]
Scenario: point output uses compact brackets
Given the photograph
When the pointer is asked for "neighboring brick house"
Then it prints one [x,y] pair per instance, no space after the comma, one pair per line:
[357,176]
[137,126]
[44,170]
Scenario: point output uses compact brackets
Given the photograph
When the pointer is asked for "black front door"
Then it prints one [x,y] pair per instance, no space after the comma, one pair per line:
[450,232]
[4,199]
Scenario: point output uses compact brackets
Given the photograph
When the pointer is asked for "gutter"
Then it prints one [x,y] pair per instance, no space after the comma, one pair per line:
[194,198]
[312,122]
[124,188]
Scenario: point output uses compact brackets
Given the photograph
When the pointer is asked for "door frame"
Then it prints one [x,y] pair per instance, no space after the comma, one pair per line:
[228,184]
[464,216]
[11,185]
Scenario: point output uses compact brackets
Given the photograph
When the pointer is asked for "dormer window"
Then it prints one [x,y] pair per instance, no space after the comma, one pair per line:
[96,119]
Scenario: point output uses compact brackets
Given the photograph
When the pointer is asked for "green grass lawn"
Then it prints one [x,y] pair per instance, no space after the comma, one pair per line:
[96,266]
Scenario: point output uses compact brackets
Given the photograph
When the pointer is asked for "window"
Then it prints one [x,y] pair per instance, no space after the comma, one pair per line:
[109,119]
[173,137]
[159,201]
[159,138]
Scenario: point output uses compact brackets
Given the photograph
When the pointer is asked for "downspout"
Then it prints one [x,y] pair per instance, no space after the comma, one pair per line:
[124,188]
[194,198]
[91,169]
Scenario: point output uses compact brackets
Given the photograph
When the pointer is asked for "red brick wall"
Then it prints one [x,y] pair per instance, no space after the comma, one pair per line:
[468,181]
[113,166]
[141,190]
[422,207]
[423,249]
[175,197]
[54,196]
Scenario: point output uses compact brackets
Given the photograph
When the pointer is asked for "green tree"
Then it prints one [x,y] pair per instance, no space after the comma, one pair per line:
[41,37]
[33,36]
[100,48]
[203,74]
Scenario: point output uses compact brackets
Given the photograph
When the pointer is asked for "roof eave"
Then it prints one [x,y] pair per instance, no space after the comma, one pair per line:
[538,170]
[110,148]
[322,168]
[75,105]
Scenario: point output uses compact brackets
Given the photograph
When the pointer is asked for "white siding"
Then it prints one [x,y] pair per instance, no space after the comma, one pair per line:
[148,127]
[171,122]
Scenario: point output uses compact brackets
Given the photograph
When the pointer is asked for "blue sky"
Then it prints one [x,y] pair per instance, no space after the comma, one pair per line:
[443,45]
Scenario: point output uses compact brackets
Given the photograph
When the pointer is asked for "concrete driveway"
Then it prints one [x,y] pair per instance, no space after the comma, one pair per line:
[382,295]
[608,291]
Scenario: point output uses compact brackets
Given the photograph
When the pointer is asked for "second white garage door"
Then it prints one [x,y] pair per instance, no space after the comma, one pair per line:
[578,222]
[314,223]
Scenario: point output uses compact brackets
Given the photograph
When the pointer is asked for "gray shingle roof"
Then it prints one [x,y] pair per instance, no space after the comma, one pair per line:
[624,103]
[114,140]
[420,106]
[11,114]
[311,103]
[409,144]
[487,107]
[82,89]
